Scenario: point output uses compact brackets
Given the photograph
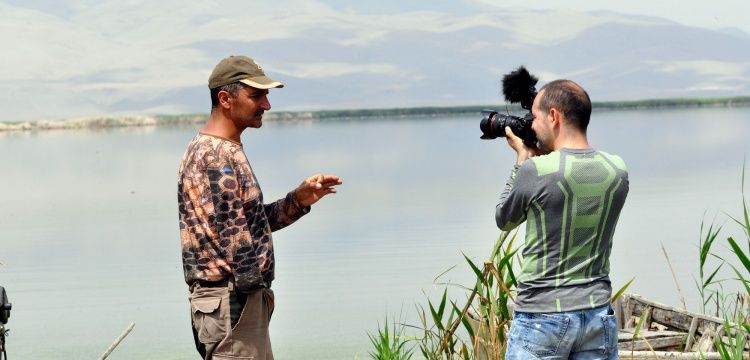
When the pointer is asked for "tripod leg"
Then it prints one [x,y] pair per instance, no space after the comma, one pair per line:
[3,354]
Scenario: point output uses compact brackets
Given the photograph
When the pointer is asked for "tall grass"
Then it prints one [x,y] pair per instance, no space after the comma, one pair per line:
[733,347]
[390,343]
[477,327]
[715,292]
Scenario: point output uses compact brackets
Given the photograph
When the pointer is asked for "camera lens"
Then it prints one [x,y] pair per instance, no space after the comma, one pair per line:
[493,126]
[487,124]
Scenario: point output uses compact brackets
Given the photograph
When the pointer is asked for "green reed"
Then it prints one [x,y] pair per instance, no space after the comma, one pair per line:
[484,316]
[476,328]
[732,306]
[390,343]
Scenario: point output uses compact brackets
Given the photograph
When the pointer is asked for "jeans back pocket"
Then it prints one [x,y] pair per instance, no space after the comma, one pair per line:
[542,333]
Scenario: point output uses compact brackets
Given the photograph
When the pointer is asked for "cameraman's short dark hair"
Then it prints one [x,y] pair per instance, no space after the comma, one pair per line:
[232,89]
[570,99]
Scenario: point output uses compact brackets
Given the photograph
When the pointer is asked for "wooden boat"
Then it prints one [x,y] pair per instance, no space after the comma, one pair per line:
[666,332]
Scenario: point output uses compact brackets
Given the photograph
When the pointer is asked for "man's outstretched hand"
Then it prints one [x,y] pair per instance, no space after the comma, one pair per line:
[315,187]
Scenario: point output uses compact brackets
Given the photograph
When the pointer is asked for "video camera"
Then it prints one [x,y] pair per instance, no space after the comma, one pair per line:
[518,86]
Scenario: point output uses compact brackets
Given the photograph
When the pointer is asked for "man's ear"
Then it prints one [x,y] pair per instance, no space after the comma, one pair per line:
[555,116]
[224,99]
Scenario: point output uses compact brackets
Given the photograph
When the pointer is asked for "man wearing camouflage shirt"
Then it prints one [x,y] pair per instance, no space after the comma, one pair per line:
[225,225]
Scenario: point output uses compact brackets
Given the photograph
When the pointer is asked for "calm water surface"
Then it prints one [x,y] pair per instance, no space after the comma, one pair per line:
[89,237]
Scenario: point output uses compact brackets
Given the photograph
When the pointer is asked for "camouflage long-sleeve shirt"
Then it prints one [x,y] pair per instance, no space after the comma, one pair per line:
[225,227]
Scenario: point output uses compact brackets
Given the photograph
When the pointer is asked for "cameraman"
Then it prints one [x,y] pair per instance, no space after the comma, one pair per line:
[571,196]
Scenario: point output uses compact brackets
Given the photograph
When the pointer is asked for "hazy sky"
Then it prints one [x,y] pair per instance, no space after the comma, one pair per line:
[89,57]
[708,14]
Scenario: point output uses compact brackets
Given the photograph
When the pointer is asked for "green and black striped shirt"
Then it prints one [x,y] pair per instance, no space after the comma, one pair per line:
[571,200]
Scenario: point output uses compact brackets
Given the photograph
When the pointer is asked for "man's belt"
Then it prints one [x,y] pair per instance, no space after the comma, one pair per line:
[206,283]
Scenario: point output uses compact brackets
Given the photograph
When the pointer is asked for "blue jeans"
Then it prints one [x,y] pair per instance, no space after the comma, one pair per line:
[579,335]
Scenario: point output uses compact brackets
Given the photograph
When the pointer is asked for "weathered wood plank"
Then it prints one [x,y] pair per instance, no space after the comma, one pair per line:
[662,343]
[619,308]
[628,315]
[673,355]
[627,334]
[706,341]
[691,334]
[649,316]
[670,316]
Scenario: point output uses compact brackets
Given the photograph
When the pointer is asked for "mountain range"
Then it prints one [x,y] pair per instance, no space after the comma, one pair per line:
[340,60]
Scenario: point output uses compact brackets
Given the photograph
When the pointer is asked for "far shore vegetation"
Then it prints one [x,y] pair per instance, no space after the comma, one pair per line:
[325,115]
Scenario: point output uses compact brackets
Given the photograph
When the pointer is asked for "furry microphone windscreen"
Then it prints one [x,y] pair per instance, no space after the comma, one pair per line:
[519,86]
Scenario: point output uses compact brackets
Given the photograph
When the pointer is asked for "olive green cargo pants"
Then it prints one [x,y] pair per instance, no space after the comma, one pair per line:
[224,329]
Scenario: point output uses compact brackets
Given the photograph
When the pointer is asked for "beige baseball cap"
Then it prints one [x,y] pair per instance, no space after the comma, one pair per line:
[241,69]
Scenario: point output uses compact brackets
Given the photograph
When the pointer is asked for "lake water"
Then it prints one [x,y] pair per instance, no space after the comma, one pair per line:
[89,236]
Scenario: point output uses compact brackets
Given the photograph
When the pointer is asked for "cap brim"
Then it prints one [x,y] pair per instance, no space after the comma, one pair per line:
[262,82]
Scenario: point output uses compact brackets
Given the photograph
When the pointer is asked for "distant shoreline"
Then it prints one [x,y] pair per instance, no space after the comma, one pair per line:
[323,115]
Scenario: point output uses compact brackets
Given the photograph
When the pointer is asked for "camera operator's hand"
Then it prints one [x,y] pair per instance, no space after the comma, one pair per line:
[523,152]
